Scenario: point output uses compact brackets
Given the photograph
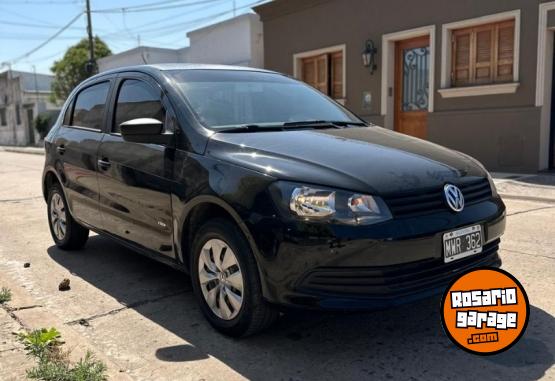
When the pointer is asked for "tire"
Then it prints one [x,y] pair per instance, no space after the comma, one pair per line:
[69,235]
[254,313]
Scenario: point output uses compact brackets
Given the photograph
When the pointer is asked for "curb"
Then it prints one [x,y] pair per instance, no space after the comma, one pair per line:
[30,150]
[527,198]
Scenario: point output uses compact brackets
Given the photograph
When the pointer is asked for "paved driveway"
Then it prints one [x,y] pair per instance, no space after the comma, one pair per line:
[142,315]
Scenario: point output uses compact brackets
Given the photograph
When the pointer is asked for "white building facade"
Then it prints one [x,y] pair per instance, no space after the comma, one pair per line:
[237,41]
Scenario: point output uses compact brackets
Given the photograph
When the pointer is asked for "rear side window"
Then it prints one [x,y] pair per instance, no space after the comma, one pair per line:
[67,115]
[137,99]
[90,105]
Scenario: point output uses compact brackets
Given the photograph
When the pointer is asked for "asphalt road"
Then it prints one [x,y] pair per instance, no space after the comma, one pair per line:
[142,315]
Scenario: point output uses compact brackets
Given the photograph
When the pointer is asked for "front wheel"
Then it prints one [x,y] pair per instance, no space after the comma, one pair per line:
[66,232]
[226,282]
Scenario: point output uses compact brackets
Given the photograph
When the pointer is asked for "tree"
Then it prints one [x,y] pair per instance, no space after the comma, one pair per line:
[72,68]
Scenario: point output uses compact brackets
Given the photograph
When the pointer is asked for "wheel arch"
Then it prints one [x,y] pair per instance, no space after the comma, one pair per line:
[200,210]
[50,177]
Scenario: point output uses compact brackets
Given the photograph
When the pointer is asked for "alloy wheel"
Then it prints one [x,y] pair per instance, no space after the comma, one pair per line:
[58,217]
[220,278]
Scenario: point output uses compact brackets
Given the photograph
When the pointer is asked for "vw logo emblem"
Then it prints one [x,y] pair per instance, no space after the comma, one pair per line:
[454,197]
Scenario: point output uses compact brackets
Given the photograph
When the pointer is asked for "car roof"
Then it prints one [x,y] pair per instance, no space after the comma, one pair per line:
[157,68]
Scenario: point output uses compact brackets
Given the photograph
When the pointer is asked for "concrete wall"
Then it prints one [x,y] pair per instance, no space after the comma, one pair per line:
[488,127]
[237,41]
[138,56]
[22,133]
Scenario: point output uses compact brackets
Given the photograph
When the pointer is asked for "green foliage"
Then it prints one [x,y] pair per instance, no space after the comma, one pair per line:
[41,343]
[72,68]
[42,124]
[53,364]
[87,369]
[5,295]
[49,370]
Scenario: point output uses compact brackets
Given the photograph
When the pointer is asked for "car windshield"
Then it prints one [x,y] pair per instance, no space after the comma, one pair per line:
[227,99]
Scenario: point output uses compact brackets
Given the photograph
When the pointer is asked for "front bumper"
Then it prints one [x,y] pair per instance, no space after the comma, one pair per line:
[373,267]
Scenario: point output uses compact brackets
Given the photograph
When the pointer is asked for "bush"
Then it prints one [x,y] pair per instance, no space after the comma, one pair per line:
[42,343]
[53,363]
[43,124]
[87,369]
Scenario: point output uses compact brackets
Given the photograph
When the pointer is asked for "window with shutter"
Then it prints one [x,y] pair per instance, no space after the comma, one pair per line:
[483,54]
[325,73]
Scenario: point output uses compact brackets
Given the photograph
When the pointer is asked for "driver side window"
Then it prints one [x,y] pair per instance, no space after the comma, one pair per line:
[137,99]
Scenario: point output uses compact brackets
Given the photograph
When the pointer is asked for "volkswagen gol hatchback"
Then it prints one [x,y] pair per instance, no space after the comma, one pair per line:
[265,191]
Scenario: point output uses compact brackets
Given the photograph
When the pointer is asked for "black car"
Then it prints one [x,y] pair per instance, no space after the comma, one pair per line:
[265,191]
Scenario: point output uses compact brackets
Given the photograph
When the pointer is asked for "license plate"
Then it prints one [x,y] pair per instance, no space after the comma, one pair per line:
[462,243]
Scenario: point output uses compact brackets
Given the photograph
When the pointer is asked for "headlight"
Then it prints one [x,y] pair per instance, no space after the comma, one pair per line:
[310,202]
[323,204]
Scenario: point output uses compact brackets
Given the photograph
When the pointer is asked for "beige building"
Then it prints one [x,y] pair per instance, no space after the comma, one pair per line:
[475,75]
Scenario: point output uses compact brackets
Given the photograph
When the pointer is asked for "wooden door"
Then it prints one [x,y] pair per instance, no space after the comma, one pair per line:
[316,72]
[412,65]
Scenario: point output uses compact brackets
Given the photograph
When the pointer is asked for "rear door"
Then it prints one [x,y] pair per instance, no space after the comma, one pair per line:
[77,145]
[135,179]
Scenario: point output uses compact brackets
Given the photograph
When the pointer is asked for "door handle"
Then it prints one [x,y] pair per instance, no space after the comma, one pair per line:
[61,149]
[104,164]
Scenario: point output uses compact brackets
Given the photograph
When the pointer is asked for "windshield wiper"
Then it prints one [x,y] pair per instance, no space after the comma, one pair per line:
[287,126]
[251,128]
[334,123]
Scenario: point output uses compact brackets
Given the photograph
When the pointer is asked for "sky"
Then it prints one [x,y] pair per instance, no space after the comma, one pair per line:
[122,24]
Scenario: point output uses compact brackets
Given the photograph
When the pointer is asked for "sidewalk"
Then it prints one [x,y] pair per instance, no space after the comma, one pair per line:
[534,187]
[17,149]
[23,313]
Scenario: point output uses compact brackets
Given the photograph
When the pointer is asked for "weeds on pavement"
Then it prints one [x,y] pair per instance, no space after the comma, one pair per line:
[5,295]
[45,345]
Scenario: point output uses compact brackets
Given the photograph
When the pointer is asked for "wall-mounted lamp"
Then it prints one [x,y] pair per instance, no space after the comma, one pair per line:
[369,56]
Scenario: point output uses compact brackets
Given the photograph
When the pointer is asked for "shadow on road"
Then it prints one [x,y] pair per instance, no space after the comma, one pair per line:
[406,342]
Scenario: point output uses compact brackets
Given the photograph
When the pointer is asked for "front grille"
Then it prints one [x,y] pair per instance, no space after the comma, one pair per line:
[433,200]
[396,280]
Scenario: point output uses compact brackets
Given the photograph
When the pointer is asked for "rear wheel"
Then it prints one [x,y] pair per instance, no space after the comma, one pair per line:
[66,232]
[226,282]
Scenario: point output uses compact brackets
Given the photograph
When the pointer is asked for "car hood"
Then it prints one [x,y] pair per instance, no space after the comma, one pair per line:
[366,159]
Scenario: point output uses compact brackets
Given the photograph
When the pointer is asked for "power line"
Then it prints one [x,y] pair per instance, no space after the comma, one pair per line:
[48,40]
[174,17]
[40,26]
[180,26]
[141,8]
[25,17]
[137,29]
[51,2]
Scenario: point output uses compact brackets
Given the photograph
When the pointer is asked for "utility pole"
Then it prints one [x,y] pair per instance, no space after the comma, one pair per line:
[31,127]
[91,65]
[11,99]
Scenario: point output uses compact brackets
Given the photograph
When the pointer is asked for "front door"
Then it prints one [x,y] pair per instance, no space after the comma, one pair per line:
[412,65]
[134,178]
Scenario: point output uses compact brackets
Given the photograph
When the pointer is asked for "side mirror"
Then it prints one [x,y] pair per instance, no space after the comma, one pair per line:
[144,130]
